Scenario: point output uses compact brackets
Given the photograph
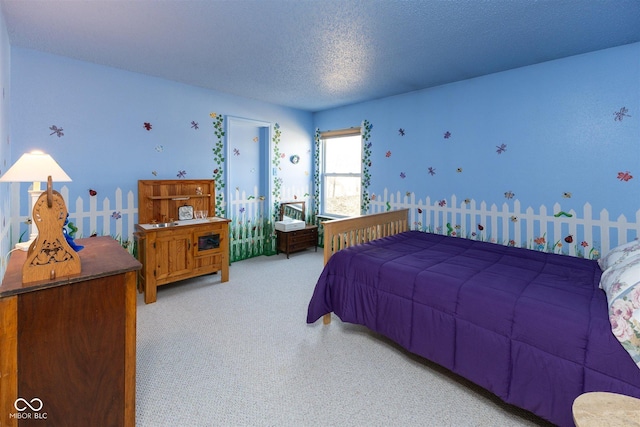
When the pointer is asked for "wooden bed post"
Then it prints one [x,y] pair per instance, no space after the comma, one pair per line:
[342,233]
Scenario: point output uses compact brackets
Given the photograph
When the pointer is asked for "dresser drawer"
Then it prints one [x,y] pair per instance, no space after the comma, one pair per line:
[310,236]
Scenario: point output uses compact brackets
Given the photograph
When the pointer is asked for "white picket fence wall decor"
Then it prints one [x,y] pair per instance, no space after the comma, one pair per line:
[251,229]
[117,221]
[100,215]
[545,229]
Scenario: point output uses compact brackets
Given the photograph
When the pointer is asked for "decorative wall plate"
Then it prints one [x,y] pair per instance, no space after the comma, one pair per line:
[294,159]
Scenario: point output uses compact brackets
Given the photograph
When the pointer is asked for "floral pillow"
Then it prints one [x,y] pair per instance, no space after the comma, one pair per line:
[621,283]
[620,253]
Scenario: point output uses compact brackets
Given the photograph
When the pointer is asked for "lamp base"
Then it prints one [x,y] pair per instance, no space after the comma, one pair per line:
[23,246]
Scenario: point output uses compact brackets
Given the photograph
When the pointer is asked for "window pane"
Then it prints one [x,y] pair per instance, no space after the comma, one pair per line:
[342,195]
[343,155]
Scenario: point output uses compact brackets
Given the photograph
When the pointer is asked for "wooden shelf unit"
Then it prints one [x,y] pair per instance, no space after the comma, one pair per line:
[178,252]
[159,200]
[180,197]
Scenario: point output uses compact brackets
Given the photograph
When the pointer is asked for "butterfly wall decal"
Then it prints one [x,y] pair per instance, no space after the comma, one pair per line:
[56,131]
[624,176]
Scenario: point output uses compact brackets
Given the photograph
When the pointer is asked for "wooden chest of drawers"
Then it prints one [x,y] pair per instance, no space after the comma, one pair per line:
[297,240]
[68,345]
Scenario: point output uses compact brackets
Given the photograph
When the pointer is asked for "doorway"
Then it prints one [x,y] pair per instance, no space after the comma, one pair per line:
[248,173]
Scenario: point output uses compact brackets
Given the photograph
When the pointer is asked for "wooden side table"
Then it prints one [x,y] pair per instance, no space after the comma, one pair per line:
[297,240]
[602,409]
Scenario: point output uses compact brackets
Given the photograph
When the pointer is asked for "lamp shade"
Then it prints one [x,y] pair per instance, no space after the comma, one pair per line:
[35,166]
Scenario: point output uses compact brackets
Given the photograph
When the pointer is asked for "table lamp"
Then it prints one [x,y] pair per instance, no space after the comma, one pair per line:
[35,167]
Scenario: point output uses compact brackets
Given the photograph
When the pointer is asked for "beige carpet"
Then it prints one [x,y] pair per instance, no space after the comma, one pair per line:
[240,354]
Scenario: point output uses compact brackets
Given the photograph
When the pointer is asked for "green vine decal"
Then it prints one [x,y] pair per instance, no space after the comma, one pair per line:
[218,158]
[277,181]
[269,226]
[316,178]
[366,164]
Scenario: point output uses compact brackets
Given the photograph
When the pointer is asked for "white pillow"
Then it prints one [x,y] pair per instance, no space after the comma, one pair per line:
[619,253]
[620,276]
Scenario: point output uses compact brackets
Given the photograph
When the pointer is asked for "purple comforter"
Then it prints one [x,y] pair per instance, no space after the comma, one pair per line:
[530,327]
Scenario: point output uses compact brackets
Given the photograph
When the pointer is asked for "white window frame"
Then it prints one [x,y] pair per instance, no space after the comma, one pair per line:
[354,131]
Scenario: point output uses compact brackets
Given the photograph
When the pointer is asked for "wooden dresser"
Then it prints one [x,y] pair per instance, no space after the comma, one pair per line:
[296,240]
[172,247]
[68,346]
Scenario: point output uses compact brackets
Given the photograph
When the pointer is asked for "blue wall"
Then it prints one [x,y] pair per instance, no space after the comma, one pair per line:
[563,125]
[557,121]
[5,148]
[104,144]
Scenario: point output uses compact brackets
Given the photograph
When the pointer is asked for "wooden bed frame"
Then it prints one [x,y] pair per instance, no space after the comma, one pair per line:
[342,233]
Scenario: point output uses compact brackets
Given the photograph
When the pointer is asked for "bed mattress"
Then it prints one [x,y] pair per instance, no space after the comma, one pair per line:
[531,327]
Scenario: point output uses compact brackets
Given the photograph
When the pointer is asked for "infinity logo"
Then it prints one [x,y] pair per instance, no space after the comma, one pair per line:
[28,404]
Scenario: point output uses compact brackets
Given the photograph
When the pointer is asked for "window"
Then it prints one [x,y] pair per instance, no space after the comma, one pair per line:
[341,172]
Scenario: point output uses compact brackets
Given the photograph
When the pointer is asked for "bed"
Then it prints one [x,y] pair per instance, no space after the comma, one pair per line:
[531,327]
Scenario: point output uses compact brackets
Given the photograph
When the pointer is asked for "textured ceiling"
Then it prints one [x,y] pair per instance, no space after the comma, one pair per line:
[315,55]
